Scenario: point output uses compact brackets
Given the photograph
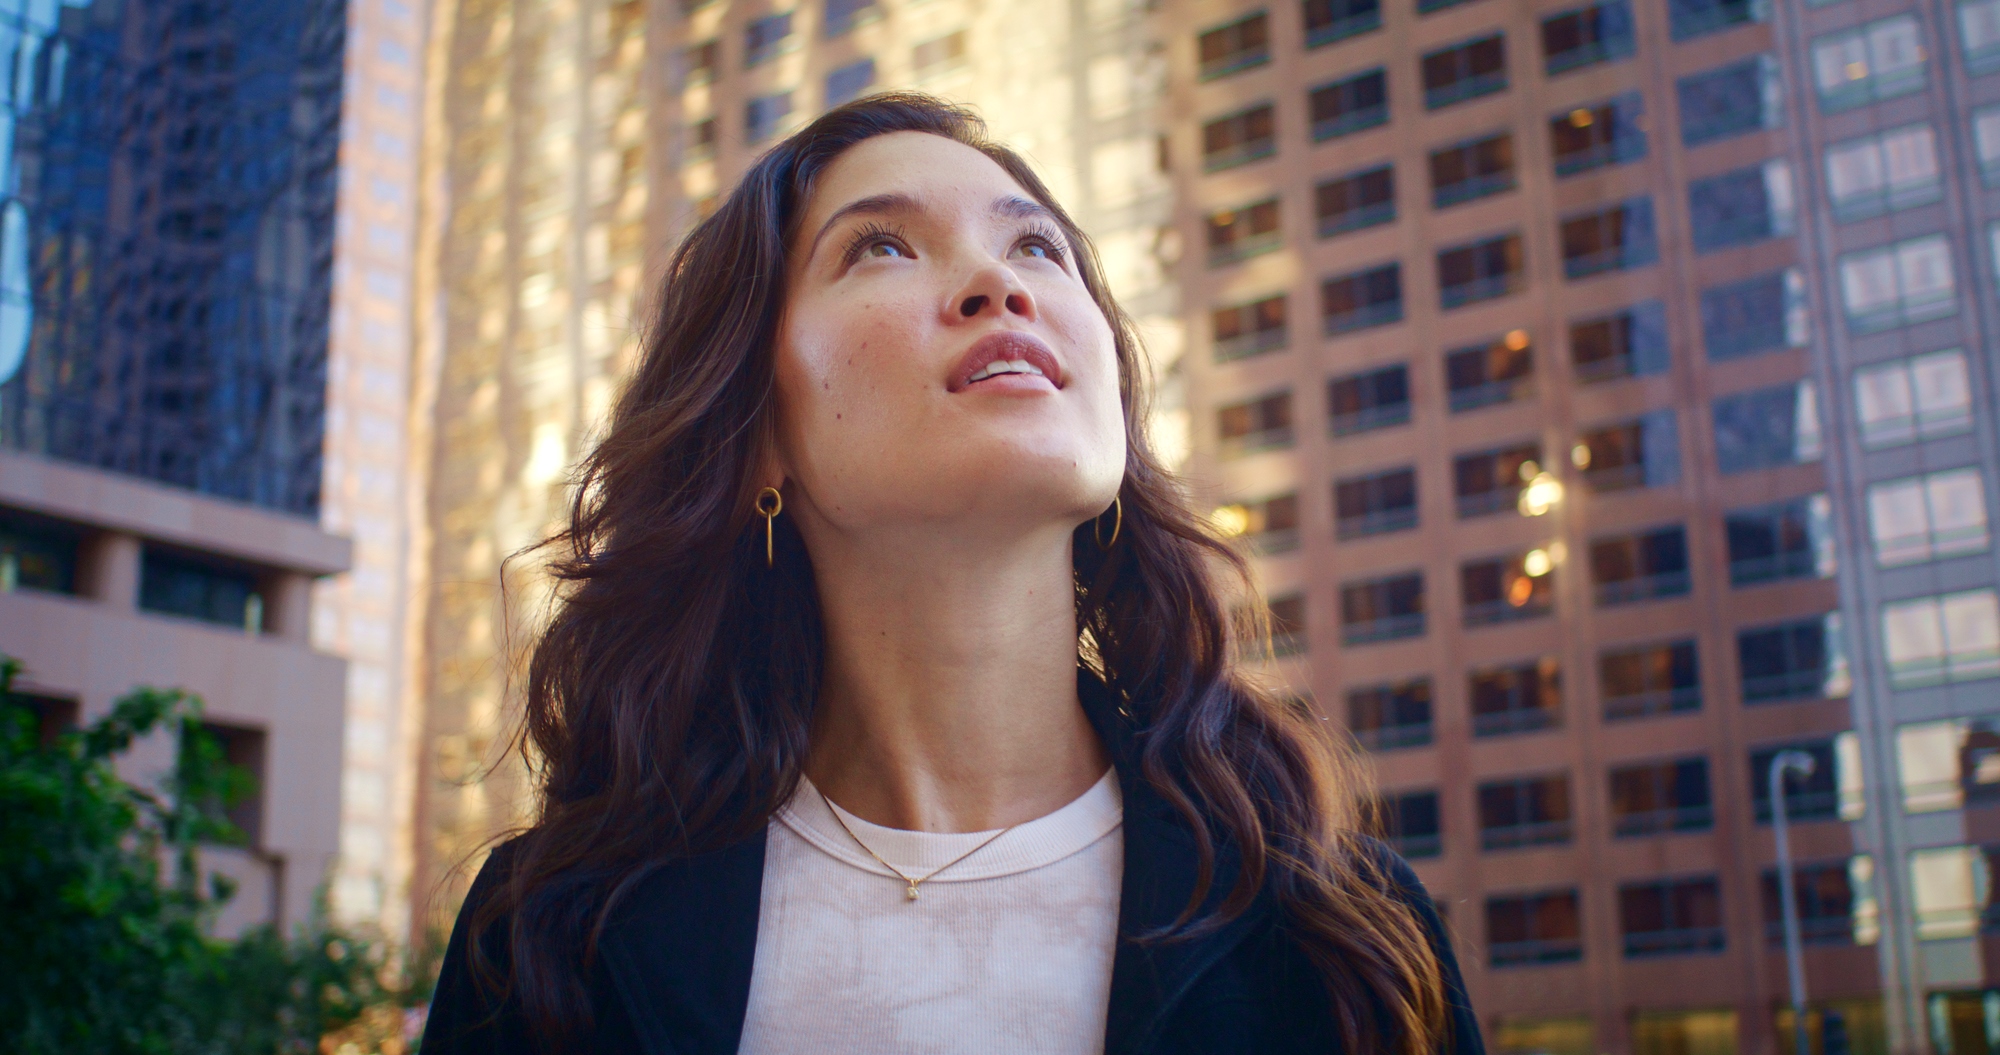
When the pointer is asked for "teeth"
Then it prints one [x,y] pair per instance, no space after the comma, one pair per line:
[1006,366]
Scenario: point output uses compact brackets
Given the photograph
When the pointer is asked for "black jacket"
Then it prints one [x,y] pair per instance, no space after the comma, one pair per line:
[673,974]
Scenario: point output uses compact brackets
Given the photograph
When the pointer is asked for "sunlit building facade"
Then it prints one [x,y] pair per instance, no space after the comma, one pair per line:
[1562,364]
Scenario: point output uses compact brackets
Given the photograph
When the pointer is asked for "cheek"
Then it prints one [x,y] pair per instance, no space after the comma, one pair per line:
[837,364]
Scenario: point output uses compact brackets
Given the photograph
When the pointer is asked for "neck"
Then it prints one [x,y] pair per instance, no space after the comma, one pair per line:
[949,696]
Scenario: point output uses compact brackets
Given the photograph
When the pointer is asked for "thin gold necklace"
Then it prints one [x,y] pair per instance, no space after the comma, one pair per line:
[910,883]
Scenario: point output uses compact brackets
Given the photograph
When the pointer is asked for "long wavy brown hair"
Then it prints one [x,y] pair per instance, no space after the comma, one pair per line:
[668,699]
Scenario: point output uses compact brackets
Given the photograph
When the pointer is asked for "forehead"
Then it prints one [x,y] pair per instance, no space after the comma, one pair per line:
[939,172]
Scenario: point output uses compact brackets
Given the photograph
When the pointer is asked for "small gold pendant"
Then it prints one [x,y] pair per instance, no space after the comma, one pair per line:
[911,891]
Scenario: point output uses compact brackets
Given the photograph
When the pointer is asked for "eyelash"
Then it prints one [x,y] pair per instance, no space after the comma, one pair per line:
[875,232]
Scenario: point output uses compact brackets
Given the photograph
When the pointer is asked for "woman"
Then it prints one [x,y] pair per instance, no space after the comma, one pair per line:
[888,705]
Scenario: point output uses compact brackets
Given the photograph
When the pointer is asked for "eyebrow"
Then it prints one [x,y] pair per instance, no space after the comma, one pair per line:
[1012,207]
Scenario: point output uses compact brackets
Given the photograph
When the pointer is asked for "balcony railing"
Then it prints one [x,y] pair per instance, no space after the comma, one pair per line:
[1342,28]
[1229,64]
[1487,288]
[1356,219]
[1803,806]
[1244,248]
[1815,930]
[1517,720]
[1281,540]
[1427,845]
[1789,685]
[1245,345]
[1616,477]
[1362,318]
[1394,737]
[1488,613]
[1515,836]
[1385,628]
[1359,119]
[1465,88]
[1370,418]
[1644,704]
[1491,393]
[1241,154]
[1468,189]
[1377,522]
[1644,588]
[1614,258]
[1674,942]
[1797,564]
[1486,503]
[1529,953]
[1672,819]
[1615,151]
[1261,440]
[1601,50]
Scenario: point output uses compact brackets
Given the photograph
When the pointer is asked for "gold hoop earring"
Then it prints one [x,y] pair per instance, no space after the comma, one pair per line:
[1117,522]
[769,503]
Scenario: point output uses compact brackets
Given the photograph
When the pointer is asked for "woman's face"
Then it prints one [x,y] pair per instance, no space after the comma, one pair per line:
[940,364]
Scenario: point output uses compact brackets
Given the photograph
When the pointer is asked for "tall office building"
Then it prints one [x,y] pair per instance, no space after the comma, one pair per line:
[561,164]
[1607,392]
[167,189]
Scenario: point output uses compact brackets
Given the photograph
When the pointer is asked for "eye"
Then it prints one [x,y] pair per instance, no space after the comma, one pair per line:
[1038,250]
[882,247]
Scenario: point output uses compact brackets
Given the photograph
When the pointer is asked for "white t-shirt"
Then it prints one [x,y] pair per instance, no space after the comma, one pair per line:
[1008,950]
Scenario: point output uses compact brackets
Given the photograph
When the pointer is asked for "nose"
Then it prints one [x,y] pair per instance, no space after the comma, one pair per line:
[994,288]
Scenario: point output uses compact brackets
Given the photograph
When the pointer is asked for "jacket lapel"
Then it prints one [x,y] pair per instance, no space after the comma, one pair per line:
[1150,977]
[680,951]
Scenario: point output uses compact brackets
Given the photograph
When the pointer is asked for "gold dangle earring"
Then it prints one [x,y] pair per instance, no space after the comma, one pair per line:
[1117,521]
[769,503]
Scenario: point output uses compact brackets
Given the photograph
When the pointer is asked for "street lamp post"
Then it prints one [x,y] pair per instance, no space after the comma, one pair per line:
[1801,763]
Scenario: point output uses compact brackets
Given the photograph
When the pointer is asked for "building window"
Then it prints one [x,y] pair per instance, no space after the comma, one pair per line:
[1484,270]
[1933,640]
[1792,661]
[1645,452]
[1900,284]
[1260,424]
[1372,399]
[1526,930]
[1288,625]
[1331,20]
[1613,239]
[1670,917]
[1675,1032]
[1692,18]
[1385,609]
[1873,174]
[1880,60]
[1237,46]
[1836,903]
[764,115]
[1659,797]
[1347,106]
[1986,142]
[1979,35]
[36,554]
[196,587]
[766,38]
[700,140]
[1754,315]
[1472,169]
[1519,698]
[1650,680]
[1363,299]
[1767,427]
[1538,1035]
[1783,540]
[1269,525]
[1386,717]
[1731,100]
[1234,234]
[1929,517]
[1465,71]
[243,748]
[1410,822]
[1504,589]
[1950,888]
[1592,137]
[1249,329]
[1588,35]
[1376,504]
[701,61]
[1239,138]
[1911,399]
[1742,207]
[1531,811]
[1352,202]
[1948,765]
[1500,371]
[1832,792]
[1627,343]
[849,81]
[1490,481]
[1640,567]
[844,15]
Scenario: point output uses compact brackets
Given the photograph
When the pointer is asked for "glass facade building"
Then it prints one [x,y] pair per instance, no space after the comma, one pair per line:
[167,192]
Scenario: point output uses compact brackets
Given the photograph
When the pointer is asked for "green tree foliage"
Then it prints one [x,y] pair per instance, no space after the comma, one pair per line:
[105,943]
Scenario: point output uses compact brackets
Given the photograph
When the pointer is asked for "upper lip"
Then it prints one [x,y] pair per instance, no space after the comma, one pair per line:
[1005,344]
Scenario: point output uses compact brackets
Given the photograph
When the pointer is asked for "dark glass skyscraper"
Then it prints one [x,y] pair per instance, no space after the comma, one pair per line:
[167,188]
